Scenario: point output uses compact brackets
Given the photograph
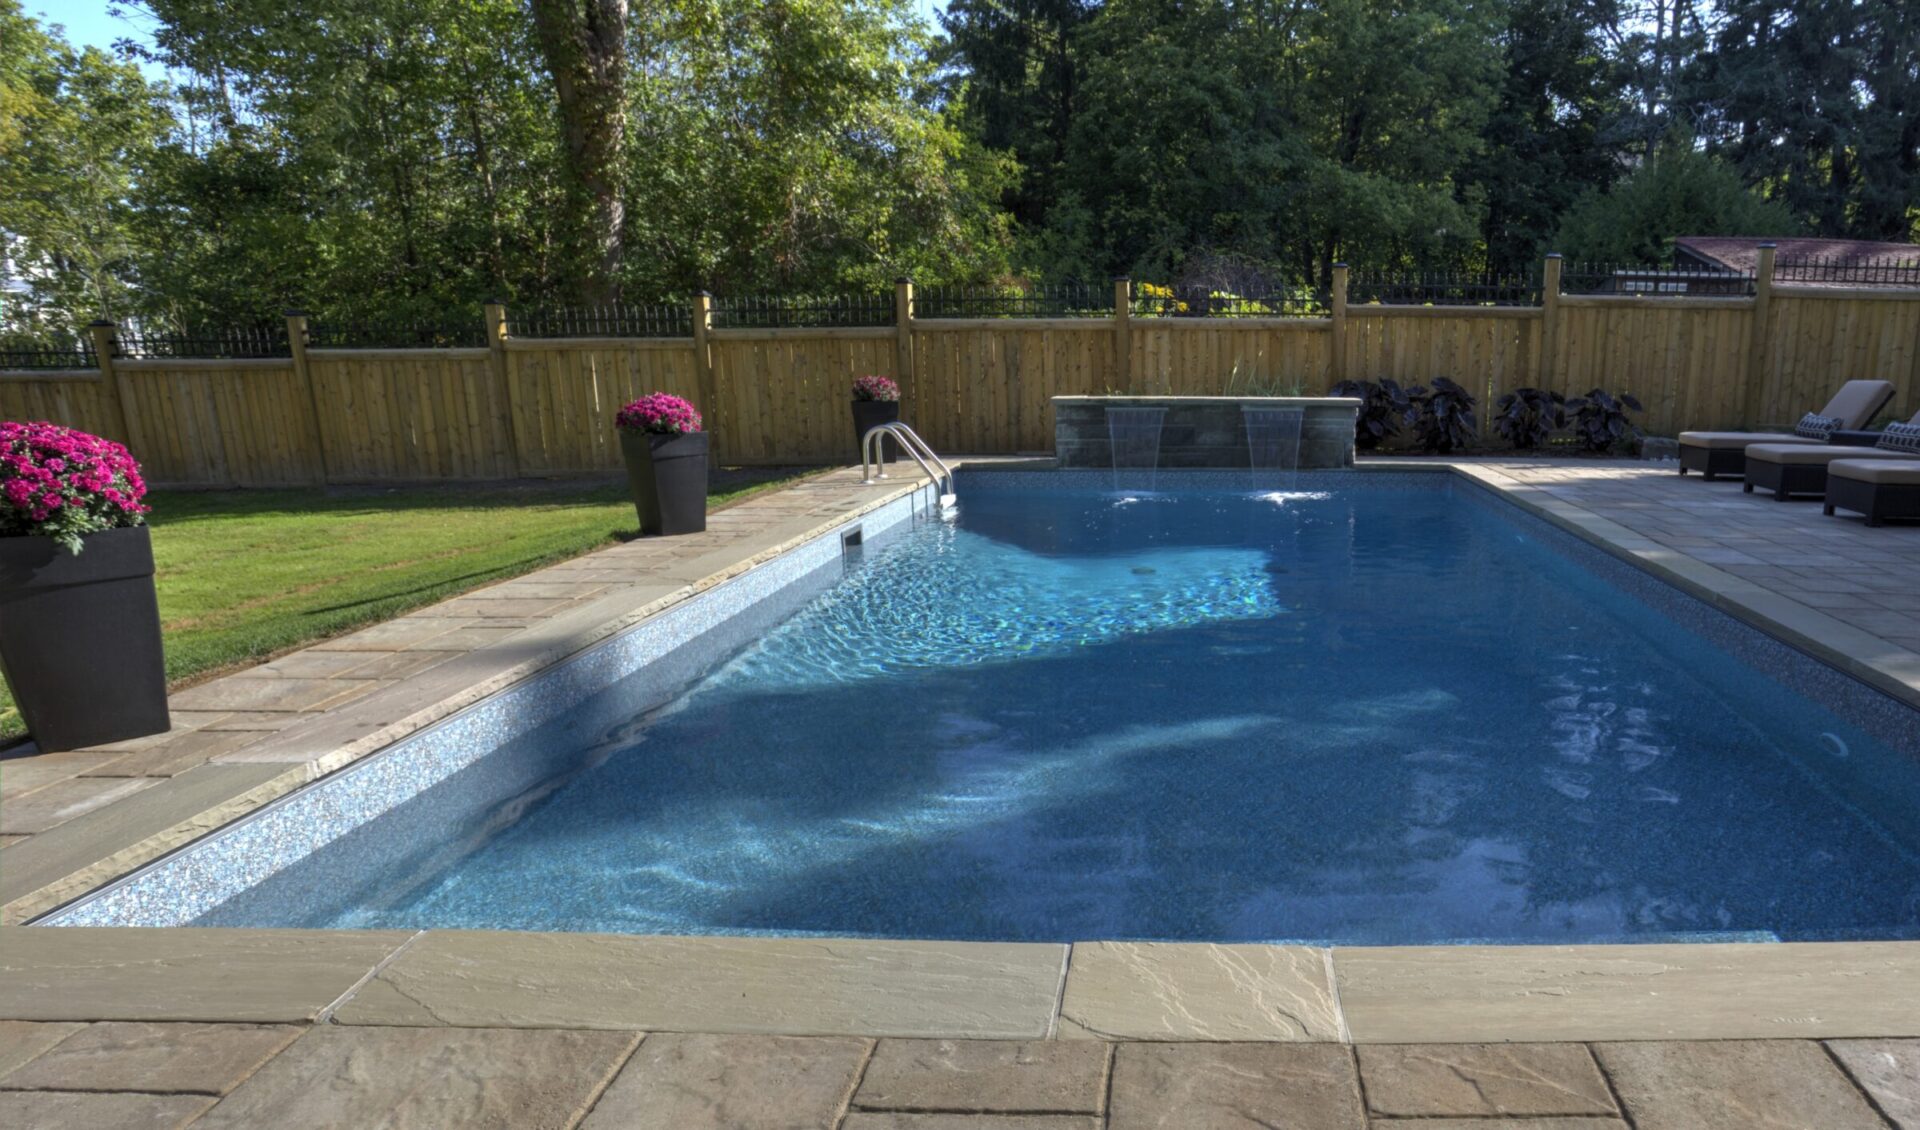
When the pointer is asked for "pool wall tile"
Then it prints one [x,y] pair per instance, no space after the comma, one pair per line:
[649,663]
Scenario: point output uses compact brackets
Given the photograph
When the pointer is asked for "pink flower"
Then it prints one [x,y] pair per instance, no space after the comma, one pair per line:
[659,413]
[61,483]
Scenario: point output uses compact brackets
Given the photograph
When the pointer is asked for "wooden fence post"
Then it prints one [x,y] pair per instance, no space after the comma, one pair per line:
[703,368]
[1123,333]
[104,345]
[495,314]
[1337,302]
[1550,318]
[903,329]
[1756,397]
[297,347]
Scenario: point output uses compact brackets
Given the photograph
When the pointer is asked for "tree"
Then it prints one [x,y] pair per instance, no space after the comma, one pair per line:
[77,128]
[585,46]
[1544,143]
[1820,105]
[1280,133]
[1681,191]
[1018,67]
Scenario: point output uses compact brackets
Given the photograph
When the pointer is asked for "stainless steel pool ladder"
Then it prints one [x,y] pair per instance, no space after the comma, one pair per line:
[873,468]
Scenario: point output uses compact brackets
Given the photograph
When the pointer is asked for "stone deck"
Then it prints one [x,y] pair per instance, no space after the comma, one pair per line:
[104,1028]
[118,1074]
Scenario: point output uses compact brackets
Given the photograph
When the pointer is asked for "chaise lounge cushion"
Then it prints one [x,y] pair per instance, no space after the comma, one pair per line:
[1814,454]
[1724,440]
[1885,472]
[1855,404]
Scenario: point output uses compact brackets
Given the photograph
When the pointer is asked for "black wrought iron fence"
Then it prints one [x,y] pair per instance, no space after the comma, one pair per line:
[1654,282]
[452,333]
[1057,300]
[1847,272]
[789,313]
[620,319]
[26,355]
[1193,300]
[1443,288]
[227,343]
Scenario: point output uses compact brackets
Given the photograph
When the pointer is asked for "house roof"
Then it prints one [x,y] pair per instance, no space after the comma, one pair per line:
[1742,253]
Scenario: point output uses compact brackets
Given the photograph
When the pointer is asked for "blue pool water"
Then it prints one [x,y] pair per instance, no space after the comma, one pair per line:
[1367,717]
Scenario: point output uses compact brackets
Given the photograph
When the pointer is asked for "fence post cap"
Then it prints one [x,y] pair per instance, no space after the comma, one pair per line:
[1340,266]
[903,278]
[703,294]
[493,302]
[1769,246]
[1555,255]
[293,312]
[1123,278]
[101,322]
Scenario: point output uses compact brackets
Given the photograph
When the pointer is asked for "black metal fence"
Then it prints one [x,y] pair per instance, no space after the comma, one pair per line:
[268,340]
[453,333]
[1847,272]
[27,355]
[1443,288]
[1654,282]
[620,319]
[1195,300]
[803,312]
[1060,300]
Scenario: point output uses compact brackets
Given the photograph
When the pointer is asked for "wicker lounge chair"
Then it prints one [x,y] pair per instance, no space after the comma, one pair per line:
[1725,453]
[1788,469]
[1877,488]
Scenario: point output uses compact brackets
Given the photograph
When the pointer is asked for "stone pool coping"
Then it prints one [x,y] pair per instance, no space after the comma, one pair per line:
[1113,991]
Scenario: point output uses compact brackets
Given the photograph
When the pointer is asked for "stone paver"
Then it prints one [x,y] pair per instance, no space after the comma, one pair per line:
[154,806]
[1451,994]
[398,1078]
[131,973]
[685,1082]
[896,1120]
[1234,1087]
[57,803]
[56,1110]
[20,775]
[1464,1080]
[1889,1070]
[775,986]
[1034,1077]
[208,1059]
[1498,1124]
[1734,1085]
[177,755]
[1147,991]
[21,1040]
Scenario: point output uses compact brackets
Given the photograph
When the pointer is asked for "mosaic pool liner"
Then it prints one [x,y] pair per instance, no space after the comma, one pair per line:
[445,773]
[590,693]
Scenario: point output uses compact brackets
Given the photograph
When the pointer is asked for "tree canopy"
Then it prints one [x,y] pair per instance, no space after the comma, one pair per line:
[391,159]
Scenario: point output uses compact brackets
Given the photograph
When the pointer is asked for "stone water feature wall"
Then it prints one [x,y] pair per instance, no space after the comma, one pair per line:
[1203,431]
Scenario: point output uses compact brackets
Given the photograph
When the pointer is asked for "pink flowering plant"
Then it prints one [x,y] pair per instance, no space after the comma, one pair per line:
[659,413]
[875,388]
[64,484]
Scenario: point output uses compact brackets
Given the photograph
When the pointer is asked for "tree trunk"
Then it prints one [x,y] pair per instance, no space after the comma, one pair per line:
[585,46]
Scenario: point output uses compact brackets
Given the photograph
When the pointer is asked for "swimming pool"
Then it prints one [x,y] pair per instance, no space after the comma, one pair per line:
[1373,709]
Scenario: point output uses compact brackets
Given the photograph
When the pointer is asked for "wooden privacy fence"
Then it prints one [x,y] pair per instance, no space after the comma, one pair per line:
[544,406]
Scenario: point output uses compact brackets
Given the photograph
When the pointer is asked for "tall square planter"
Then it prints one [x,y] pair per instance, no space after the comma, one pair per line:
[80,639]
[668,477]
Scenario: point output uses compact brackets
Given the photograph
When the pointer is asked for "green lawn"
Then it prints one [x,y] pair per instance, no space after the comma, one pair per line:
[246,574]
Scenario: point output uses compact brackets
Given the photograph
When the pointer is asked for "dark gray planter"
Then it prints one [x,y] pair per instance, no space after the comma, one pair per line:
[80,639]
[870,414]
[668,477]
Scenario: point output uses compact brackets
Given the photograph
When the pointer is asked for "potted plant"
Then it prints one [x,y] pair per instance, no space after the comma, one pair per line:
[79,621]
[666,456]
[876,401]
